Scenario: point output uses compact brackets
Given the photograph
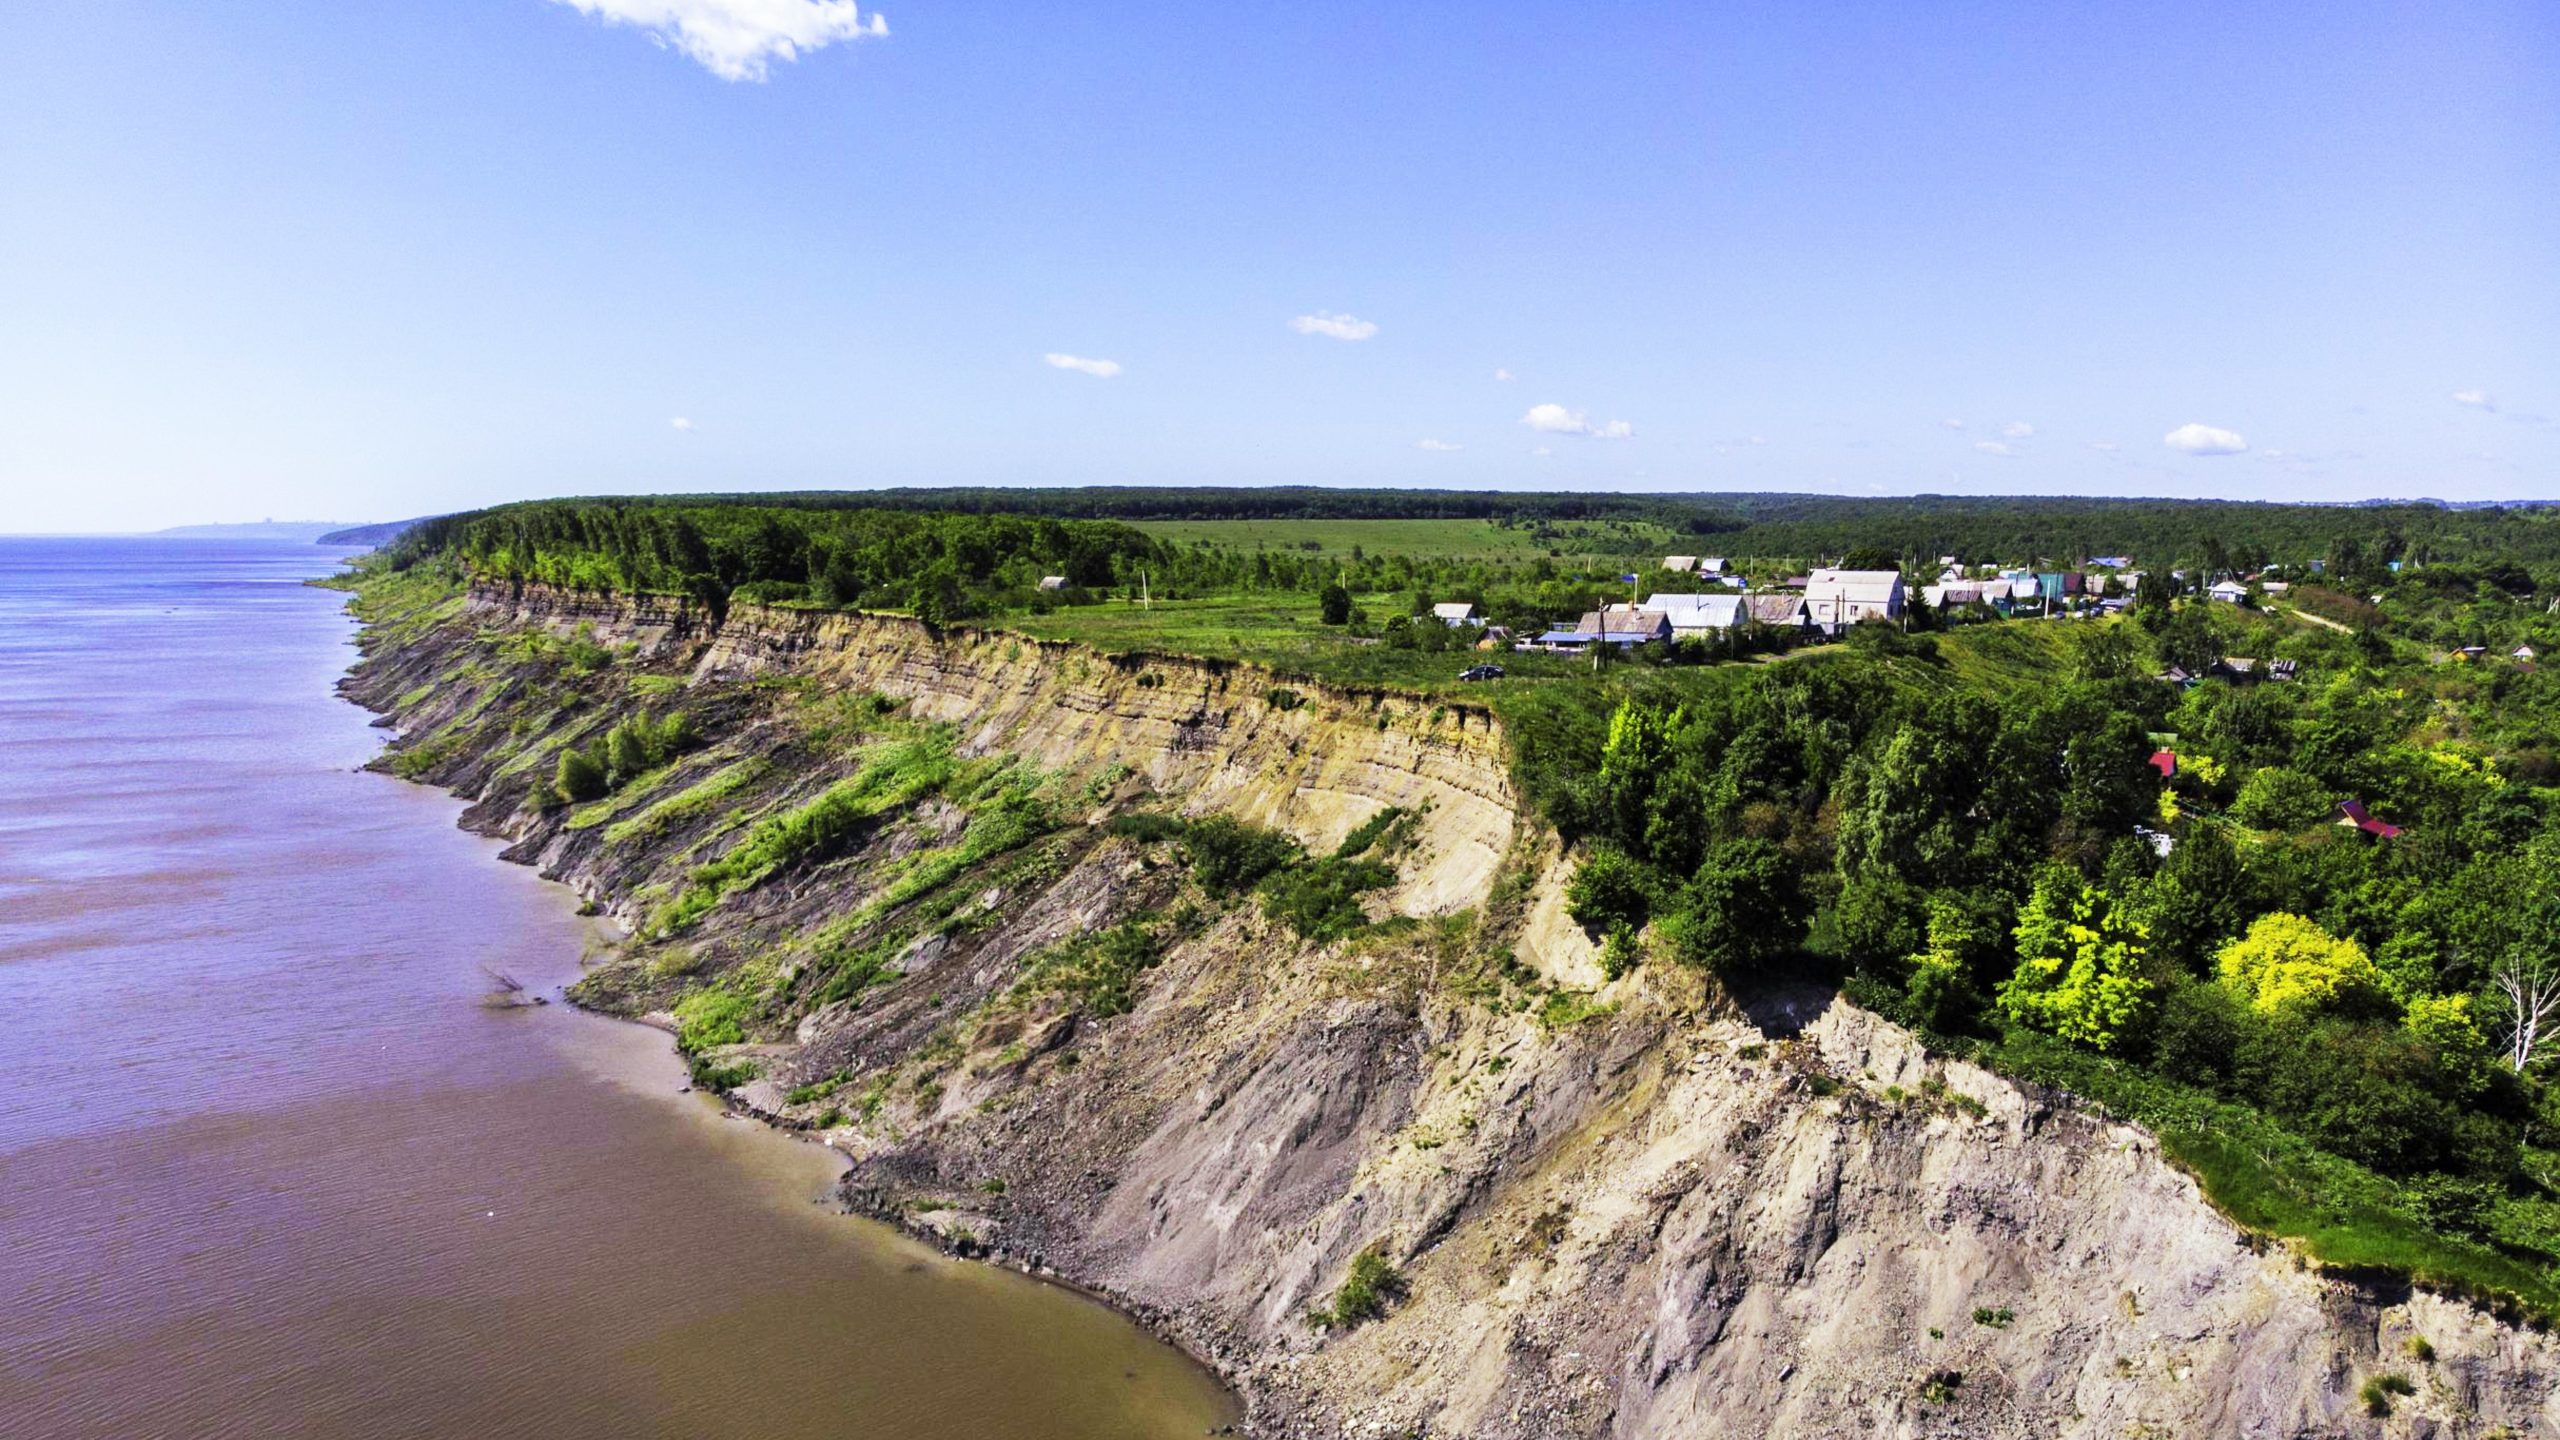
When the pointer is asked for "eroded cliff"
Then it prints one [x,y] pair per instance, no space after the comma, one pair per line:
[1635,1208]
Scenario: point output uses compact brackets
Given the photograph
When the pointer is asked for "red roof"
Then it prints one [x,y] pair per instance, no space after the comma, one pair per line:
[2363,819]
[2166,762]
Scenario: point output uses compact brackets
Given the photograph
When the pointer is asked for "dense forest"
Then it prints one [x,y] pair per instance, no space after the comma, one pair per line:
[938,565]
[2152,892]
[887,549]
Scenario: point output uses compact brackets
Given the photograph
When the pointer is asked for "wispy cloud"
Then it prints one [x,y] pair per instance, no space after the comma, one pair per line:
[1339,327]
[1099,369]
[739,39]
[1442,446]
[2017,429]
[681,425]
[1557,420]
[1994,447]
[2476,399]
[1542,452]
[2105,447]
[1952,423]
[2197,439]
[1504,376]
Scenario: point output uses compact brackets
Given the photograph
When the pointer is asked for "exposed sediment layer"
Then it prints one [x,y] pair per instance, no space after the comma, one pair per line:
[1632,1209]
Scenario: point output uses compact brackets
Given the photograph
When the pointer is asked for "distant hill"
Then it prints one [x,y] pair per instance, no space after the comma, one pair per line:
[312,530]
[379,533]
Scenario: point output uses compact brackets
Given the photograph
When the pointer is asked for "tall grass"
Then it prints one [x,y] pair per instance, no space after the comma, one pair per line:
[893,775]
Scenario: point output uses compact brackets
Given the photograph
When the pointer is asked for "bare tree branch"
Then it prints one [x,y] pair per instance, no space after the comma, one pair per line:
[2528,991]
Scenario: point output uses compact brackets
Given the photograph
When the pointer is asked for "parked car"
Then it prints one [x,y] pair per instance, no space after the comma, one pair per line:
[1481,672]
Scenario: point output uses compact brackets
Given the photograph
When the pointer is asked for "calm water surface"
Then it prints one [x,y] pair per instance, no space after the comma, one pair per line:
[267,1166]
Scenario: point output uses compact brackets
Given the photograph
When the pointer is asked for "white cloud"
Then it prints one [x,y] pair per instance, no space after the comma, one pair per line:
[2197,439]
[1099,369]
[1557,420]
[1442,446]
[2476,399]
[2105,446]
[738,39]
[2017,429]
[1952,423]
[1542,451]
[1502,376]
[681,425]
[1340,327]
[1993,447]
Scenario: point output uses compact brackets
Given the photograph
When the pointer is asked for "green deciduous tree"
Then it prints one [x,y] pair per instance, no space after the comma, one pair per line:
[1609,889]
[2280,799]
[1334,604]
[1941,988]
[1743,911]
[578,777]
[1632,761]
[2286,964]
[2079,971]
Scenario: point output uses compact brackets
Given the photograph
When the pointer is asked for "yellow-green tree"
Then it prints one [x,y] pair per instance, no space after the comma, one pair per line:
[2289,964]
[2079,971]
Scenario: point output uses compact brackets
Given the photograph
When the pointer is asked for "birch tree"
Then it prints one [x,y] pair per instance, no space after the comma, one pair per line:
[2527,985]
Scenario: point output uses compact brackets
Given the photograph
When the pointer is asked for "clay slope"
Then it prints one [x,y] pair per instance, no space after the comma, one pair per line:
[1636,1209]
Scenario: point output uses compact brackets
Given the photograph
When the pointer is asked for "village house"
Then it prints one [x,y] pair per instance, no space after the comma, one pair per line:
[1697,615]
[1454,613]
[1786,612]
[2230,592]
[1680,564]
[1622,625]
[1838,599]
[2353,813]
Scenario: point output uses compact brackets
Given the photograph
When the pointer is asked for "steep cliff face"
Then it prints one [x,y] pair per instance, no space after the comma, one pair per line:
[1633,1209]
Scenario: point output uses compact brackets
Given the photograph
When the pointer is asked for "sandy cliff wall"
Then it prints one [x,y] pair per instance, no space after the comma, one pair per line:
[1223,738]
[1646,1212]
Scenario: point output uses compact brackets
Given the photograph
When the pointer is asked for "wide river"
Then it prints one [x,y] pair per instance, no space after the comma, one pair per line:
[269,1167]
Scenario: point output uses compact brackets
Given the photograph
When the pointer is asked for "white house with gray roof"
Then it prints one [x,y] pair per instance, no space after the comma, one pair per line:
[1838,599]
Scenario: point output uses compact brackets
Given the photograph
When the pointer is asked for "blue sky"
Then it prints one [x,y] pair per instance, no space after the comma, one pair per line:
[305,258]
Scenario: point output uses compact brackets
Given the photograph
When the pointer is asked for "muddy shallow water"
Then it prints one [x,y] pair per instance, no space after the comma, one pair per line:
[269,1166]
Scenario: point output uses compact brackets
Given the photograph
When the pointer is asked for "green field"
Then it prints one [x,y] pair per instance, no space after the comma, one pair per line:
[1279,629]
[1429,539]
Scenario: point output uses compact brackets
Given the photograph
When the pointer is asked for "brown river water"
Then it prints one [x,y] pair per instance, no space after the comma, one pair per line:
[269,1167]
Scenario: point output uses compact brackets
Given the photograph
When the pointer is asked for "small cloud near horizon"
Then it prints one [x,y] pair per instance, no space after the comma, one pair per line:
[2017,430]
[1501,376]
[1952,423]
[1554,419]
[1994,447]
[739,40]
[2204,440]
[1441,446]
[1098,369]
[2476,399]
[1338,327]
[681,425]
